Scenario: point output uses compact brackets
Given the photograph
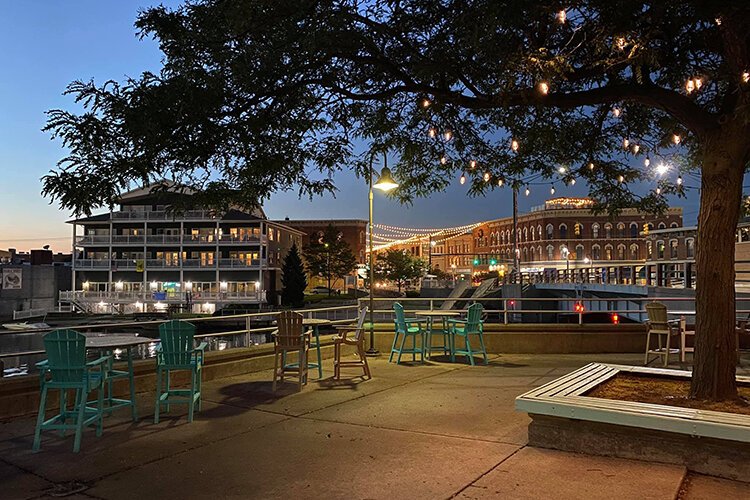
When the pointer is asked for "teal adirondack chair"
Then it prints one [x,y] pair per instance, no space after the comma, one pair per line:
[177,352]
[472,325]
[66,369]
[404,328]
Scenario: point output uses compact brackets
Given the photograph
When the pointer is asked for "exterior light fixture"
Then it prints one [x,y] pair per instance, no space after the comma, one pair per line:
[385,182]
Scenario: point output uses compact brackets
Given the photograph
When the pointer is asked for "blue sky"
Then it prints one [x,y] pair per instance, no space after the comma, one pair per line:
[48,43]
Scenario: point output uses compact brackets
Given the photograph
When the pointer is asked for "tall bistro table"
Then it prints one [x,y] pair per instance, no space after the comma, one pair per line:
[315,324]
[109,343]
[431,315]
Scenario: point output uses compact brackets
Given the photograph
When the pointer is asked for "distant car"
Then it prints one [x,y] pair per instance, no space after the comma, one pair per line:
[324,290]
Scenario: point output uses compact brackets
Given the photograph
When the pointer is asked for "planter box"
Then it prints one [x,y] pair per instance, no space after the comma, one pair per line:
[708,442]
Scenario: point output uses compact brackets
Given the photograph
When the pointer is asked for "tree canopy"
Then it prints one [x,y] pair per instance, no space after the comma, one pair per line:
[399,267]
[330,256]
[257,96]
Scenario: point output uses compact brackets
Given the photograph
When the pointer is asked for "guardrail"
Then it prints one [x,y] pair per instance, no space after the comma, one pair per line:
[29,313]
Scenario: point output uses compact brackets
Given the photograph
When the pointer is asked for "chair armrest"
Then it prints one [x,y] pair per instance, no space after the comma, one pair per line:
[457,321]
[42,365]
[98,362]
[414,320]
[201,347]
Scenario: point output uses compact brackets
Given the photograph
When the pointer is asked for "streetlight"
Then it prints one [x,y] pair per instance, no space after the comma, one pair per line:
[565,254]
[384,183]
[589,263]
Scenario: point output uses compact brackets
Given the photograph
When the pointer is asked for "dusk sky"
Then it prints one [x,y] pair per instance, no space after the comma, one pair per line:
[47,44]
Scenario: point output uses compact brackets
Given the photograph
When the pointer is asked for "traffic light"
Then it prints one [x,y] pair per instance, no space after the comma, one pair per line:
[493,262]
[577,229]
[645,229]
[476,261]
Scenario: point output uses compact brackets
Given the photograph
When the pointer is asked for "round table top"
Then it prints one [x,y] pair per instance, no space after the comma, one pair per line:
[315,321]
[437,313]
[106,341]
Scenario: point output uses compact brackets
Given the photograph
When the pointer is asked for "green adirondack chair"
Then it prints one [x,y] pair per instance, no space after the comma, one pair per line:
[66,369]
[404,328]
[472,325]
[177,352]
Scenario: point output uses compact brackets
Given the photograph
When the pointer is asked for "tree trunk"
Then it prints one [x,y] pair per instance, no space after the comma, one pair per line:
[715,340]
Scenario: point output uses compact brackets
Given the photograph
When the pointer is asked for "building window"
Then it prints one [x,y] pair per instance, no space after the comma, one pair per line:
[690,248]
[659,249]
[608,231]
[620,230]
[550,252]
[533,234]
[621,250]
[563,232]
[662,225]
[673,249]
[525,254]
[525,234]
[550,232]
[533,252]
[595,230]
[674,225]
[579,252]
[608,252]
[634,252]
[596,252]
[633,230]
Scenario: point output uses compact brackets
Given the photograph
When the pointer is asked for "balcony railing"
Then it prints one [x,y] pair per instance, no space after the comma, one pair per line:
[127,264]
[168,239]
[164,215]
[159,296]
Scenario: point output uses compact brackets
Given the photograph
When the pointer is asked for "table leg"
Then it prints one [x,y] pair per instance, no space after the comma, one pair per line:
[131,376]
[316,332]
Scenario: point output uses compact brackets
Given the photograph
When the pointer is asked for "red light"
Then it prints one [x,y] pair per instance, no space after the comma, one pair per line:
[615,319]
[579,307]
[512,303]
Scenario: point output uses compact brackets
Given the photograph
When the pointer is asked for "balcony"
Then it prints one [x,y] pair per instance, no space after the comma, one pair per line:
[150,296]
[241,263]
[163,215]
[131,264]
[93,239]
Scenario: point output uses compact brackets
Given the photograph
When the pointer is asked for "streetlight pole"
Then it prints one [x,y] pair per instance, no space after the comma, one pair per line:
[516,265]
[384,183]
[564,253]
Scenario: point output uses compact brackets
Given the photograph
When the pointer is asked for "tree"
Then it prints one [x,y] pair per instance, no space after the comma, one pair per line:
[330,257]
[293,279]
[399,267]
[254,95]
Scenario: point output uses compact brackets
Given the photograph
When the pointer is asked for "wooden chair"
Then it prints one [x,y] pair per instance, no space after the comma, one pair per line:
[358,340]
[663,329]
[290,337]
[472,325]
[404,327]
[684,333]
[68,370]
[177,352]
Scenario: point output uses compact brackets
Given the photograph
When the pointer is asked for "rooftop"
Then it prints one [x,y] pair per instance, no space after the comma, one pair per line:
[434,431]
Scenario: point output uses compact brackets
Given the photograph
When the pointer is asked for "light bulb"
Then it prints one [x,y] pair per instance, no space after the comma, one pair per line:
[432,132]
[658,190]
[616,112]
[443,160]
[462,180]
[620,42]
[514,145]
[552,189]
[689,86]
[528,191]
[620,179]
[500,182]
[679,180]
[561,16]
[543,88]
[572,182]
[473,164]
[486,176]
[662,168]
[561,170]
[647,161]
[746,77]
[448,135]
[625,143]
[676,138]
[591,166]
[636,148]
[426,103]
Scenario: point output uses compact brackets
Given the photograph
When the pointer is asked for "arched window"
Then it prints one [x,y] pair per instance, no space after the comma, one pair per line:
[608,231]
[550,232]
[621,251]
[525,254]
[662,225]
[633,252]
[659,249]
[533,250]
[690,248]
[673,225]
[633,230]
[525,234]
[502,237]
[672,249]
[539,252]
[596,252]
[533,234]
[579,252]
[539,232]
[595,230]
[620,230]
[550,252]
[608,252]
[563,232]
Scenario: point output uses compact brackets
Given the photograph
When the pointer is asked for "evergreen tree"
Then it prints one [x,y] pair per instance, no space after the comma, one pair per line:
[293,279]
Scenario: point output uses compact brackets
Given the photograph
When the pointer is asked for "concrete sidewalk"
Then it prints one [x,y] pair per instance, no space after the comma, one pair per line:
[437,430]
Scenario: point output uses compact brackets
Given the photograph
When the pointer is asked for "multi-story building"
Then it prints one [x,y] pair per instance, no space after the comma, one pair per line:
[145,256]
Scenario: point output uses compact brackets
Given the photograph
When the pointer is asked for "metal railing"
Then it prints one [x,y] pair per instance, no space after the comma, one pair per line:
[30,313]
[116,264]
[149,295]
[168,239]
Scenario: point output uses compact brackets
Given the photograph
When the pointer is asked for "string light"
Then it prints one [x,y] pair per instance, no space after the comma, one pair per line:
[448,135]
[561,169]
[662,168]
[543,88]
[500,182]
[647,161]
[679,180]
[463,179]
[561,16]
[552,189]
[718,21]
[636,148]
[426,103]
[572,182]
[658,190]
[620,42]
[591,166]
[620,179]
[625,143]
[676,138]
[514,145]
[432,132]
[473,164]
[689,86]
[746,77]
[528,191]
[443,160]
[616,112]
[486,177]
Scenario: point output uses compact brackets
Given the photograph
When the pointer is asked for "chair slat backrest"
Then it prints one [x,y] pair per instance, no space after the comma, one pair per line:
[360,332]
[657,316]
[290,330]
[474,317]
[177,342]
[400,319]
[66,355]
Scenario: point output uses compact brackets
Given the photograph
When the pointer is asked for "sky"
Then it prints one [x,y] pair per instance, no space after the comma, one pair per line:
[49,43]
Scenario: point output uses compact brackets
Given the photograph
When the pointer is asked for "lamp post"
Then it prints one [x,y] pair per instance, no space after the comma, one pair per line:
[384,183]
[589,263]
[565,253]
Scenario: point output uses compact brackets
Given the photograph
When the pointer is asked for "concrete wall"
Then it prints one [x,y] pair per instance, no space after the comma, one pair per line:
[40,288]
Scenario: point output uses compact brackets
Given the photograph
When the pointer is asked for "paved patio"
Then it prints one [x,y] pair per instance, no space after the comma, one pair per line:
[434,431]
